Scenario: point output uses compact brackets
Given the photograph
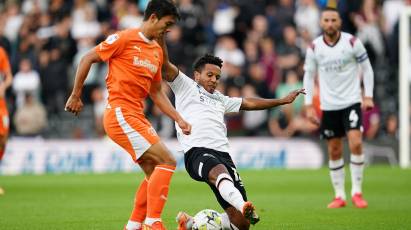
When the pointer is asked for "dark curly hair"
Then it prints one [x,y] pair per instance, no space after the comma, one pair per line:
[207,59]
[161,8]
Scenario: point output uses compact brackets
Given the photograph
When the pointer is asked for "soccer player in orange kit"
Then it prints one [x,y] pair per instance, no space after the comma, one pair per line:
[135,61]
[6,78]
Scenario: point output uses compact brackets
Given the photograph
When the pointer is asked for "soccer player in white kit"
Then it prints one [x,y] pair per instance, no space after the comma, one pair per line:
[339,59]
[206,154]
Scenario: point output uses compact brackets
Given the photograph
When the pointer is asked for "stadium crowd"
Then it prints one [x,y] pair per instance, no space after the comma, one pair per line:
[262,43]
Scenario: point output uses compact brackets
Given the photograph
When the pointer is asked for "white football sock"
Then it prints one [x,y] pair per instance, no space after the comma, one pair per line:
[133,225]
[229,192]
[357,171]
[151,221]
[226,224]
[337,175]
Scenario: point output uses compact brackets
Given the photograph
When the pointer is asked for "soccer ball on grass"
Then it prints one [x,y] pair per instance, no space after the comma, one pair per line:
[207,219]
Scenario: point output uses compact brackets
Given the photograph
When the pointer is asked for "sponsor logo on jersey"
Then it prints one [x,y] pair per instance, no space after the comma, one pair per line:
[336,65]
[112,38]
[145,63]
[328,133]
[138,48]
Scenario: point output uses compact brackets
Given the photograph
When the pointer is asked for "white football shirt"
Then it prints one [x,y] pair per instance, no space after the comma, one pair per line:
[338,69]
[205,112]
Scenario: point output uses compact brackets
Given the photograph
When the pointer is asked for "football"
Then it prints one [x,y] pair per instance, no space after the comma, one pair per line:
[207,219]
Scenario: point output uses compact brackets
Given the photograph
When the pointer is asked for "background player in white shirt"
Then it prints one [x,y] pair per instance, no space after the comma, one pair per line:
[338,59]
[206,149]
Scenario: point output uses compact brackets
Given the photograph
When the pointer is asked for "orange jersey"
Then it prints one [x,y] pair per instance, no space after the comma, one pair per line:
[134,63]
[4,115]
[4,63]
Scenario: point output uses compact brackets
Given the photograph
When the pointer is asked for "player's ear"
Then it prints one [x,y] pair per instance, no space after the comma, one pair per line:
[153,18]
[196,76]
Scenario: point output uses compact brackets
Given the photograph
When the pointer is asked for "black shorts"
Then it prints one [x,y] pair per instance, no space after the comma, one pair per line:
[199,161]
[337,122]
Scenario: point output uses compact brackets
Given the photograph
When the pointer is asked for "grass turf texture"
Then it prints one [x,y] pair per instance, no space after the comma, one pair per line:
[285,199]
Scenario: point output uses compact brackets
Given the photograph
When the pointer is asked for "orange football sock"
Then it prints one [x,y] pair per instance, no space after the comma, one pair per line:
[140,203]
[157,190]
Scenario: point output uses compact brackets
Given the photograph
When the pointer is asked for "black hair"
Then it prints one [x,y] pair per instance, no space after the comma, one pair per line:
[161,8]
[330,9]
[207,59]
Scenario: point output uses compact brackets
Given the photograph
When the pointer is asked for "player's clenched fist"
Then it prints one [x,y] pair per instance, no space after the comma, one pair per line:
[74,105]
[291,96]
[184,126]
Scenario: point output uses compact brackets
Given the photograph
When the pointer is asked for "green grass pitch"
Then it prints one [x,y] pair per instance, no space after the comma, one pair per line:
[285,199]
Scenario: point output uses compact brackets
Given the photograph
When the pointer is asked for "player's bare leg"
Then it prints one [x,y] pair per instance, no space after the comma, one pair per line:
[356,167]
[242,213]
[158,164]
[3,141]
[337,174]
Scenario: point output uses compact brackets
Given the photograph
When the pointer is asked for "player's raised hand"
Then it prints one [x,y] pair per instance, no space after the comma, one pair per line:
[184,126]
[293,95]
[367,103]
[312,115]
[74,105]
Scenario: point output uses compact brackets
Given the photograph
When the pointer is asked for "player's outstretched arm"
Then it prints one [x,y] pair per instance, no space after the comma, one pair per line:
[74,103]
[262,103]
[170,71]
[163,103]
[8,80]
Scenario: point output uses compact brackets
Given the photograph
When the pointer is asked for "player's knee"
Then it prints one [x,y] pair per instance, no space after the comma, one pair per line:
[168,159]
[218,173]
[335,152]
[355,145]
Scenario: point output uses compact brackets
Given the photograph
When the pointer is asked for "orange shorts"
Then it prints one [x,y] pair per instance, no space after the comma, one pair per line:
[132,131]
[4,118]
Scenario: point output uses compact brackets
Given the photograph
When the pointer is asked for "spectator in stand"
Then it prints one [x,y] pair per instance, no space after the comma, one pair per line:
[179,54]
[84,20]
[14,19]
[256,77]
[99,99]
[368,21]
[31,117]
[4,41]
[254,121]
[54,79]
[289,120]
[234,59]
[259,29]
[307,17]
[289,54]
[26,81]
[133,17]
[251,51]
[269,63]
[391,127]
[191,22]
[371,123]
[223,20]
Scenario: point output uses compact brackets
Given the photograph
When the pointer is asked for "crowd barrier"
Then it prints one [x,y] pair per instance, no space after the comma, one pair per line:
[39,156]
